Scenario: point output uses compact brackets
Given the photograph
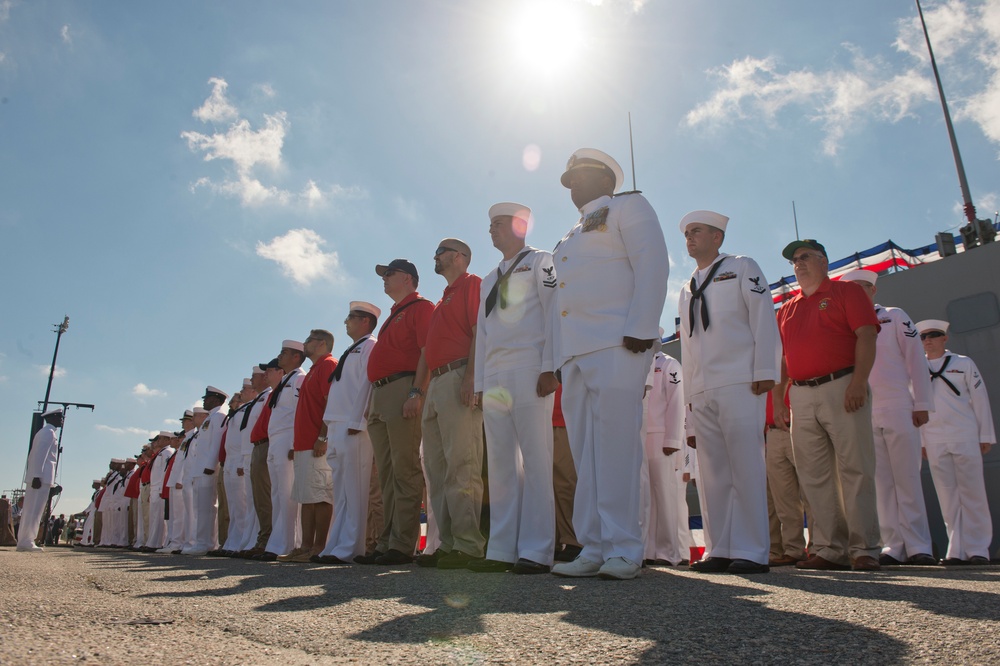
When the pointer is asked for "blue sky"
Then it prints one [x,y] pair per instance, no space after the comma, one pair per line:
[192,182]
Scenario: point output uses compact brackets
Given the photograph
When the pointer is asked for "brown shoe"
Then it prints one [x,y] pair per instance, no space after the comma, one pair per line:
[866,563]
[821,564]
[783,561]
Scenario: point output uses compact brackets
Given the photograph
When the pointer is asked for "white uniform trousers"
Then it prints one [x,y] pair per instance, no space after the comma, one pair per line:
[252,524]
[519,458]
[155,538]
[121,525]
[142,521]
[188,538]
[957,471]
[176,526]
[602,405]
[87,539]
[206,513]
[665,518]
[729,432]
[684,539]
[350,458]
[31,515]
[239,508]
[899,495]
[286,528]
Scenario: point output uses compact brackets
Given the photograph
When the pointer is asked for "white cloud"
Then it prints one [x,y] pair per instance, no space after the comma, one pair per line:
[300,255]
[142,391]
[966,37]
[171,422]
[411,211]
[265,89]
[44,371]
[64,33]
[5,6]
[216,108]
[124,431]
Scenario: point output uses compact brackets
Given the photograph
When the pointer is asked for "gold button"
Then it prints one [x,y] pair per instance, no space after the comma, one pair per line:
[564,258]
[564,313]
[562,284]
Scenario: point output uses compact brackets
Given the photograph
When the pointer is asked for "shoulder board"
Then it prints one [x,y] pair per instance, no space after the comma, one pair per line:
[622,194]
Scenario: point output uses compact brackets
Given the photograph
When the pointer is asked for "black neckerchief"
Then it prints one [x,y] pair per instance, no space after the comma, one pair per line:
[273,402]
[698,293]
[501,285]
[246,416]
[940,375]
[339,370]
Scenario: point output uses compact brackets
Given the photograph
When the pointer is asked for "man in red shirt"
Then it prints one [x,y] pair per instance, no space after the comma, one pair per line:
[313,486]
[260,477]
[828,332]
[394,415]
[452,421]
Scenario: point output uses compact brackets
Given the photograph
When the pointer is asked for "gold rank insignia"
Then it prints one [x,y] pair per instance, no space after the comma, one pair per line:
[597,220]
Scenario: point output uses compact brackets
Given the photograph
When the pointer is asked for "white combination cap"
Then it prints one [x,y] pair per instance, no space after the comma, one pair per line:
[211,390]
[187,414]
[198,410]
[52,410]
[257,370]
[860,275]
[932,325]
[708,217]
[591,158]
[510,208]
[166,433]
[364,306]
[293,344]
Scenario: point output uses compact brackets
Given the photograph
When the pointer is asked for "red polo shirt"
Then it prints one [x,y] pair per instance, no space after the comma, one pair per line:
[401,338]
[817,331]
[259,431]
[146,478]
[312,403]
[558,420]
[132,490]
[449,336]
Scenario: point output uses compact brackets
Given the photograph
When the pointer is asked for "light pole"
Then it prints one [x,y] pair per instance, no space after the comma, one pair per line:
[60,329]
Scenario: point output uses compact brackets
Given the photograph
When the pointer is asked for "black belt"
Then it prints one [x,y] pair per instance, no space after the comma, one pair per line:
[378,383]
[448,367]
[819,381]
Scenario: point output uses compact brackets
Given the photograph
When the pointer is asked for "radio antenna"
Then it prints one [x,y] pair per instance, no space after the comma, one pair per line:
[631,149]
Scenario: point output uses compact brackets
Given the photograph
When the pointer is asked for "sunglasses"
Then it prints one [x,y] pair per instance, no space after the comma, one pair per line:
[931,334]
[441,250]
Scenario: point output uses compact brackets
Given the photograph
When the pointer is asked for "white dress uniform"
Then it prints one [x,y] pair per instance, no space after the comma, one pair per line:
[186,479]
[244,425]
[206,493]
[514,346]
[959,423]
[286,530]
[156,534]
[665,429]
[740,346]
[350,455]
[178,522]
[41,465]
[900,367]
[107,510]
[239,503]
[613,269]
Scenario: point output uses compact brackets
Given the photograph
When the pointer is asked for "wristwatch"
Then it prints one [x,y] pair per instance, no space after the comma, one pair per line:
[415,393]
[321,439]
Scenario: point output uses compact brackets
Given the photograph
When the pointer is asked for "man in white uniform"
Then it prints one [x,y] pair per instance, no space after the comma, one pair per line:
[204,467]
[242,426]
[901,400]
[613,270]
[178,524]
[349,451]
[515,380]
[729,343]
[161,452]
[240,506]
[39,476]
[285,527]
[958,434]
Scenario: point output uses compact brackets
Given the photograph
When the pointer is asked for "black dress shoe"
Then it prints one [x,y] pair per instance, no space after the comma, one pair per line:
[394,557]
[888,560]
[712,565]
[740,566]
[456,559]
[953,562]
[979,561]
[568,553]
[327,559]
[523,566]
[430,560]
[489,566]
[920,559]
[266,557]
[368,559]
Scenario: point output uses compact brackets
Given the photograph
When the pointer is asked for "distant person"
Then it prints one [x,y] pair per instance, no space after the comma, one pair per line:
[39,477]
[6,523]
[958,434]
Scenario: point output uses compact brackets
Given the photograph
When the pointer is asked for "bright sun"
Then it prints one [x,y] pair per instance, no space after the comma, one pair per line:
[547,35]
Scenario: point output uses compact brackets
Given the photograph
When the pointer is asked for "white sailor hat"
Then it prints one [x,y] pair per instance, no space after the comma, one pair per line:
[187,414]
[130,460]
[117,461]
[932,325]
[257,370]
[510,208]
[364,306]
[97,481]
[211,390]
[708,217]
[247,383]
[198,410]
[293,344]
[52,410]
[860,275]
[593,158]
[166,433]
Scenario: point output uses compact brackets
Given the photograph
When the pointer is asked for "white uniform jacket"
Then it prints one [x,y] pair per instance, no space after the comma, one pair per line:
[613,269]
[965,417]
[348,397]
[42,457]
[234,439]
[517,335]
[899,378]
[283,413]
[158,471]
[741,344]
[178,473]
[665,411]
[255,409]
[206,455]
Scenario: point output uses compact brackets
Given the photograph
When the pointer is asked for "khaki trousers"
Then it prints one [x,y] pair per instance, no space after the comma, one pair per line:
[564,487]
[260,480]
[376,513]
[220,490]
[396,442]
[835,459]
[784,498]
